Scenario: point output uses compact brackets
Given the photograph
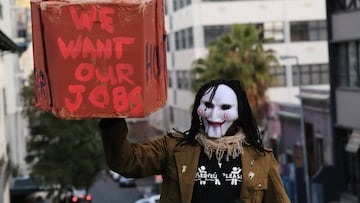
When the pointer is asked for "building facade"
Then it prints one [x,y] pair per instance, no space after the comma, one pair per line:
[344,51]
[298,33]
[7,48]
[13,126]
[318,150]
[192,24]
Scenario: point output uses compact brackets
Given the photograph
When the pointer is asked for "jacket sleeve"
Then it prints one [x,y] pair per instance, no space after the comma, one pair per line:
[275,192]
[130,159]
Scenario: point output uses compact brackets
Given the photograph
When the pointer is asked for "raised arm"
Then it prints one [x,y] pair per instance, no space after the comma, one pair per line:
[130,159]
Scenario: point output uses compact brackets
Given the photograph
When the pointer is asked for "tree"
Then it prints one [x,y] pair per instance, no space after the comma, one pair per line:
[239,55]
[64,153]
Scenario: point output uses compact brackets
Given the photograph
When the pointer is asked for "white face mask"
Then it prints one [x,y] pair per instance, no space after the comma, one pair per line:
[219,113]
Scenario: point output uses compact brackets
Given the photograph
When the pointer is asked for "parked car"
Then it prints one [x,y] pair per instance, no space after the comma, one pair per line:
[22,188]
[80,196]
[126,182]
[115,176]
[151,199]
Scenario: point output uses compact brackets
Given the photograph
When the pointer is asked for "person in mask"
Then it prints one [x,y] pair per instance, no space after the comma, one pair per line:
[220,159]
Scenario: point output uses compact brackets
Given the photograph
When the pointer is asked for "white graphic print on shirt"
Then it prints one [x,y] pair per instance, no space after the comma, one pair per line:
[233,177]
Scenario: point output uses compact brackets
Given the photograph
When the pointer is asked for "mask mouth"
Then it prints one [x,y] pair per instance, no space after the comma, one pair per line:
[215,123]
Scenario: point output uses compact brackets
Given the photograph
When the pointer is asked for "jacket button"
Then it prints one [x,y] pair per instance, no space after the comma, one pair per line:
[252,163]
[259,185]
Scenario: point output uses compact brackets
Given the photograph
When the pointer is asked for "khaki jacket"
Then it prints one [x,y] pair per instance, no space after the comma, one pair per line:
[178,164]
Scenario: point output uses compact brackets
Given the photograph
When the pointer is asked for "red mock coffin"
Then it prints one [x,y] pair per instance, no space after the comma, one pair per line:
[99,58]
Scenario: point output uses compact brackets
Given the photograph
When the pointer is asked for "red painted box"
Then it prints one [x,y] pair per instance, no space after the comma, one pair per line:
[99,58]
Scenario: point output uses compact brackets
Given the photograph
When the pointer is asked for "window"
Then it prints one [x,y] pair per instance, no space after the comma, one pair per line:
[184,39]
[1,11]
[350,4]
[22,33]
[308,31]
[324,75]
[299,31]
[341,64]
[271,31]
[317,30]
[190,37]
[311,74]
[213,32]
[353,64]
[165,7]
[274,31]
[177,40]
[347,63]
[178,4]
[183,80]
[167,43]
[175,5]
[345,5]
[278,75]
[170,82]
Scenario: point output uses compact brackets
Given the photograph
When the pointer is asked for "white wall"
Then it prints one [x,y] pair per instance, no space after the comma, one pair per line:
[219,13]
[4,188]
[12,75]
[314,52]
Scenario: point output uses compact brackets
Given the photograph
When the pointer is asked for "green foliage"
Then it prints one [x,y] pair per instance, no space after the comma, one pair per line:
[65,153]
[239,55]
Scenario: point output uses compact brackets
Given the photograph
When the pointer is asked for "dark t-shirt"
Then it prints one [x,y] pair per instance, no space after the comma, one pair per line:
[217,182]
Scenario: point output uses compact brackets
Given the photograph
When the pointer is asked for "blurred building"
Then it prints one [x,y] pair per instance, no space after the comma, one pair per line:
[13,126]
[17,21]
[344,52]
[192,24]
[319,148]
[7,46]
[298,30]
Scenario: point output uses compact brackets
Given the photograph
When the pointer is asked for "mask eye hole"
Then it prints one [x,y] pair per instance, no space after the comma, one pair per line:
[209,105]
[225,106]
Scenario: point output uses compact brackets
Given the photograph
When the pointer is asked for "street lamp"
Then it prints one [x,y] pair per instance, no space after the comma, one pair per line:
[302,126]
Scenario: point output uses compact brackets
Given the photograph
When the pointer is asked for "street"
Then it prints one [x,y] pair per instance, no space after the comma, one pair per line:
[106,190]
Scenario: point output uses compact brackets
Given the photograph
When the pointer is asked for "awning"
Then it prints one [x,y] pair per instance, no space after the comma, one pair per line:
[353,143]
[6,44]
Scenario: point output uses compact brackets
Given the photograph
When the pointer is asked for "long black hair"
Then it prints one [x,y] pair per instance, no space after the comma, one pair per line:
[246,120]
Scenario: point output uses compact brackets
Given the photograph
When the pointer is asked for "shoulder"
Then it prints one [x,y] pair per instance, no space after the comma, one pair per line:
[175,135]
[264,151]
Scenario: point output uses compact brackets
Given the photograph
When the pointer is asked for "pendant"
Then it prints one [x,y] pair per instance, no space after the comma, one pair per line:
[219,163]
